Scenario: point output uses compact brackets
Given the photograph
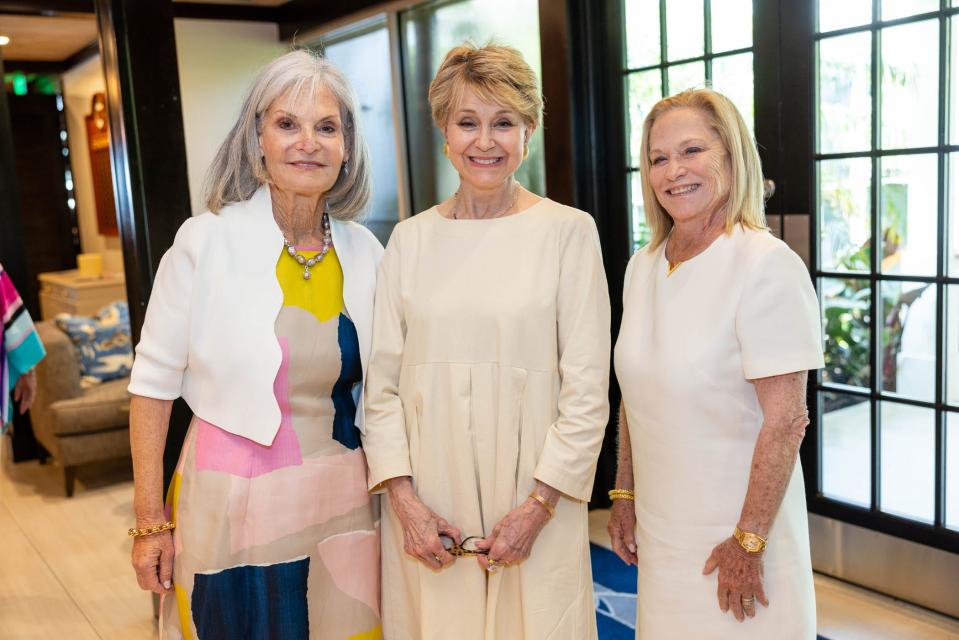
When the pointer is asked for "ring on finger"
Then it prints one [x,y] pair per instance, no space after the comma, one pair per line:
[491,565]
[748,601]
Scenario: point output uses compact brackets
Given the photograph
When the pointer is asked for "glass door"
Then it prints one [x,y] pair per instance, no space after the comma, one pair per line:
[887,266]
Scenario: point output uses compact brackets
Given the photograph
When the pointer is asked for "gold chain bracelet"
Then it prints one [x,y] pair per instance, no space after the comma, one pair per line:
[149,531]
[621,494]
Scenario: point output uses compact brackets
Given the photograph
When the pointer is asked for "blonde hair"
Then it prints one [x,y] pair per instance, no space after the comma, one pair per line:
[238,169]
[497,73]
[744,203]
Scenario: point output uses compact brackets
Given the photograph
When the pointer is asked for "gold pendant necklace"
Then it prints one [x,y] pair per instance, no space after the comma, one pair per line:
[498,214]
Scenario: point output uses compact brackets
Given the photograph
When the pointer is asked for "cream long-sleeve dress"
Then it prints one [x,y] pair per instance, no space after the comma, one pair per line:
[689,344]
[490,369]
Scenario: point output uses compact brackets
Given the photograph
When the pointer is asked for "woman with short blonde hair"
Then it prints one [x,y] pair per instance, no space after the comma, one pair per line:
[486,398]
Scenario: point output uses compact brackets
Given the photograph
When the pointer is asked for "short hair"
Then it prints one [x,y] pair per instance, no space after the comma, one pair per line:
[238,169]
[744,203]
[498,73]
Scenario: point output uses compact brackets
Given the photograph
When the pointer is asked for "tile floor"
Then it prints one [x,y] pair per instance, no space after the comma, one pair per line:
[65,573]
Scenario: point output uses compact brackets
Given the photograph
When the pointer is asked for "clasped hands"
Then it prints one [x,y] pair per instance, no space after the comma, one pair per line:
[510,541]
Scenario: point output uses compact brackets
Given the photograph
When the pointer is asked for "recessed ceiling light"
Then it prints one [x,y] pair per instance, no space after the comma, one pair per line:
[4,40]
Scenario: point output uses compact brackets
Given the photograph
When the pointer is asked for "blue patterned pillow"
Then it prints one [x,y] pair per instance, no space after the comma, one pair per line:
[102,342]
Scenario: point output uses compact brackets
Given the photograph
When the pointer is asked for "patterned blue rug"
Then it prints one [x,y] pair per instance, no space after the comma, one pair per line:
[614,589]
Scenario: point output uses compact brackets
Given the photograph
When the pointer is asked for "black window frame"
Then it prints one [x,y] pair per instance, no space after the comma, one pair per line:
[936,534]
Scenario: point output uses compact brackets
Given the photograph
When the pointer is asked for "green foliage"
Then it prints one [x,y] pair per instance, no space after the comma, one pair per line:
[847,318]
[847,302]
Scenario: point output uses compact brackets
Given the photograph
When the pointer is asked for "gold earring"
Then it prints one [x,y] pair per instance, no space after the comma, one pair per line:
[446,149]
[525,151]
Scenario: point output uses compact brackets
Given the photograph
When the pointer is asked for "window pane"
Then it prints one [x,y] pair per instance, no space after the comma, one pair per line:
[644,89]
[844,222]
[637,211]
[846,324]
[684,76]
[907,353]
[845,93]
[846,449]
[952,345]
[847,13]
[732,24]
[432,29]
[908,461]
[892,9]
[954,81]
[365,59]
[642,33]
[910,84]
[733,76]
[685,29]
[909,202]
[952,226]
[952,470]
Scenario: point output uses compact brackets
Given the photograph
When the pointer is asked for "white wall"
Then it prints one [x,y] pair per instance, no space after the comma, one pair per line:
[217,62]
[79,85]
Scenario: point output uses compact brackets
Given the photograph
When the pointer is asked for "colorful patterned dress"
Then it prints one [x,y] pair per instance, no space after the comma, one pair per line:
[20,347]
[282,542]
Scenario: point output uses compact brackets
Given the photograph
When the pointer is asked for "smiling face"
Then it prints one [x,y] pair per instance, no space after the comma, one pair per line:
[486,141]
[302,142]
[689,165]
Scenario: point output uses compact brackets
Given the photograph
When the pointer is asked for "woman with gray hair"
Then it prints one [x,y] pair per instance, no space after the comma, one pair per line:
[260,318]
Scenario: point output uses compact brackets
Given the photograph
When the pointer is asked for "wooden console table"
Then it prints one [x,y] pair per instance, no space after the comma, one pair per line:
[69,292]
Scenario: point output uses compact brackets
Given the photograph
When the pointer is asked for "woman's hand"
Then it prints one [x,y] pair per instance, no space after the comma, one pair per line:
[622,530]
[25,390]
[153,561]
[740,576]
[421,527]
[512,538]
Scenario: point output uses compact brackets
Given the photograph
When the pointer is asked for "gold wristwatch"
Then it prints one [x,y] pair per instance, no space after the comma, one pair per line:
[751,542]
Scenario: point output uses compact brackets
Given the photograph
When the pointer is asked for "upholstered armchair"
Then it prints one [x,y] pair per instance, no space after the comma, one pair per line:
[77,425]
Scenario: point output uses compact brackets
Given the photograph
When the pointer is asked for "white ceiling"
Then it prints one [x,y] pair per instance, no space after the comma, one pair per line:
[55,38]
[47,38]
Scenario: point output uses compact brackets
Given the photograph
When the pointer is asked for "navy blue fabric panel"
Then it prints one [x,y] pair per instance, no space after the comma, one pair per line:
[351,372]
[252,602]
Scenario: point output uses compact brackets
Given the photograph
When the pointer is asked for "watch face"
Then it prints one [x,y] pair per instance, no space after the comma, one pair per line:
[752,544]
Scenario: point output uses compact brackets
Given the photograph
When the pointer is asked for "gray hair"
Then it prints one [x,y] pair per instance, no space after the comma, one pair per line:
[238,169]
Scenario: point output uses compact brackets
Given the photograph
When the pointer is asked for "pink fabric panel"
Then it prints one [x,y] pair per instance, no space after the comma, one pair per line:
[353,560]
[287,502]
[219,450]
[9,298]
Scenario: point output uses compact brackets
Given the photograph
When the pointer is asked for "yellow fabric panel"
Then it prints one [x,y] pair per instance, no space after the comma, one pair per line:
[173,495]
[322,294]
[373,634]
[183,608]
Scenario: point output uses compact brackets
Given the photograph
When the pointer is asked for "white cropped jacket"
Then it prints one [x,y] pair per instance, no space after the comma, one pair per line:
[209,330]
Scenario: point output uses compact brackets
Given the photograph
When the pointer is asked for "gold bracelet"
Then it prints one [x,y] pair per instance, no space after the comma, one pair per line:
[546,505]
[149,531]
[621,494]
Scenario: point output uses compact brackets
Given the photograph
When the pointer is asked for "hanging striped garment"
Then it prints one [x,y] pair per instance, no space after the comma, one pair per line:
[20,347]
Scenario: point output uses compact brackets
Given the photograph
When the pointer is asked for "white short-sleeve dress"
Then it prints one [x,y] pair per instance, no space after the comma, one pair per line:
[689,344]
